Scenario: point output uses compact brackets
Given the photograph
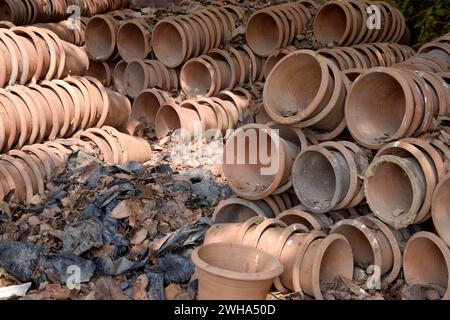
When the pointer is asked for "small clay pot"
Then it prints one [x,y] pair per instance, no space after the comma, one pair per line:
[234,210]
[232,271]
[101,36]
[170,117]
[147,104]
[133,39]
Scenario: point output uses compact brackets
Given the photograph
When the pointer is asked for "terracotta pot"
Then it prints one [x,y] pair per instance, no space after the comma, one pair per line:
[321,178]
[206,114]
[169,42]
[267,175]
[333,23]
[323,261]
[373,118]
[170,117]
[198,78]
[274,58]
[440,209]
[137,77]
[147,104]
[133,39]
[119,110]
[37,174]
[234,210]
[231,271]
[425,249]
[301,68]
[397,202]
[100,70]
[101,36]
[222,233]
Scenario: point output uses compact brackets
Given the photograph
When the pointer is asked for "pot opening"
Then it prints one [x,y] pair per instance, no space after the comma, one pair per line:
[119,75]
[376,107]
[263,34]
[362,250]
[97,70]
[135,78]
[98,39]
[145,107]
[131,42]
[196,78]
[337,260]
[425,264]
[167,120]
[330,23]
[389,190]
[168,44]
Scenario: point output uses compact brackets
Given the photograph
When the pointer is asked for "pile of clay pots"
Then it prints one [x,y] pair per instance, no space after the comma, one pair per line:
[387,104]
[320,106]
[58,108]
[351,22]
[68,30]
[31,52]
[203,117]
[101,34]
[400,181]
[219,70]
[31,11]
[329,176]
[23,172]
[176,39]
[144,74]
[310,258]
[276,27]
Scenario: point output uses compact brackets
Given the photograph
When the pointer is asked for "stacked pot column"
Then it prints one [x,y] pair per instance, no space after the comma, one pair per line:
[203,117]
[320,107]
[176,39]
[276,27]
[24,172]
[220,70]
[351,22]
[309,257]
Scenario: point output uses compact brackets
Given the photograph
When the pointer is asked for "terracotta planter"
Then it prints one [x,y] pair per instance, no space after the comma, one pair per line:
[302,68]
[147,104]
[102,71]
[119,110]
[373,120]
[230,271]
[274,58]
[101,36]
[198,78]
[207,115]
[133,40]
[234,210]
[440,209]
[395,205]
[170,117]
[425,249]
[266,176]
[169,42]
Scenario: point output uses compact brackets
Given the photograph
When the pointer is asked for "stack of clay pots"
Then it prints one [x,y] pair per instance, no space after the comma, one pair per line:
[24,172]
[101,34]
[329,176]
[203,117]
[143,74]
[34,53]
[432,57]
[276,27]
[400,181]
[387,104]
[220,70]
[426,262]
[365,56]
[310,258]
[102,71]
[258,159]
[176,39]
[68,30]
[147,103]
[30,11]
[57,108]
[319,105]
[234,210]
[352,21]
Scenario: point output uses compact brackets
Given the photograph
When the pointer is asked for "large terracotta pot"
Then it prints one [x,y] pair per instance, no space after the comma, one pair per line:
[237,272]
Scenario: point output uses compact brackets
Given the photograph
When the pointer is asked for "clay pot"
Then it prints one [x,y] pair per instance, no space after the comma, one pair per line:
[323,261]
[119,76]
[425,249]
[231,271]
[100,70]
[312,221]
[147,104]
[234,210]
[320,178]
[101,36]
[170,117]
[198,78]
[397,200]
[440,209]
[379,107]
[303,68]
[251,176]
[274,58]
[169,43]
[119,110]
[133,39]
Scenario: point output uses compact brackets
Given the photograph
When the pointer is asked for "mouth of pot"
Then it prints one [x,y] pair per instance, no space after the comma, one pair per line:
[131,42]
[99,41]
[167,120]
[168,44]
[330,24]
[263,34]
[196,78]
